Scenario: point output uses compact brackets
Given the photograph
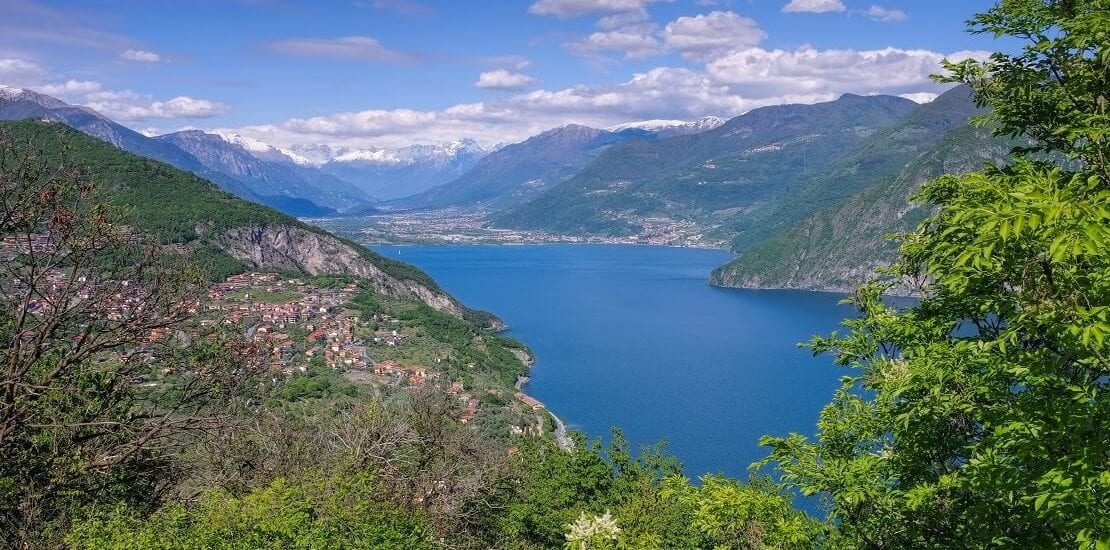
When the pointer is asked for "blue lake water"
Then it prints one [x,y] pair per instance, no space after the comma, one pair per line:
[632,336]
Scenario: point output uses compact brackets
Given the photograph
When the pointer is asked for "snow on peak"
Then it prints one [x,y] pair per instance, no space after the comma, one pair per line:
[9,92]
[659,125]
[708,122]
[263,150]
[413,154]
[377,156]
[647,125]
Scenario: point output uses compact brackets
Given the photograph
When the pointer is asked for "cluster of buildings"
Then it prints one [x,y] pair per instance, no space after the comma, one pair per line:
[36,243]
[297,321]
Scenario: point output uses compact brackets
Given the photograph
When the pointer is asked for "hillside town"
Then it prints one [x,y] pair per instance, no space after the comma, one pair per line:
[300,324]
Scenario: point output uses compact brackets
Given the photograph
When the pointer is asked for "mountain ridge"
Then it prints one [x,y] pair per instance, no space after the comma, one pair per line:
[705,178]
[517,171]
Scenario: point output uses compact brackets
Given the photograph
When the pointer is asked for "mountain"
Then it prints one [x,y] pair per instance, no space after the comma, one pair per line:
[516,172]
[280,187]
[839,245]
[267,172]
[18,103]
[880,157]
[396,173]
[708,181]
[263,150]
[666,128]
[218,230]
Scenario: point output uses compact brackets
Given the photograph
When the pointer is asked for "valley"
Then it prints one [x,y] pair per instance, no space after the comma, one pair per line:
[774,185]
[465,226]
[562,274]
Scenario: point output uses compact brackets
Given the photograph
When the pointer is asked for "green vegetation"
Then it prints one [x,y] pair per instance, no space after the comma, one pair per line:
[317,382]
[317,512]
[978,418]
[731,178]
[169,204]
[840,246]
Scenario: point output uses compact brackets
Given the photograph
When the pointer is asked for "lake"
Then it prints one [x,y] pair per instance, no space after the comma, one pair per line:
[632,336]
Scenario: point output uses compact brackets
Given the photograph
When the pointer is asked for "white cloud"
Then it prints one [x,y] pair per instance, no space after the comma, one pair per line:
[728,86]
[70,88]
[699,37]
[886,15]
[762,73]
[369,122]
[501,79]
[348,47]
[703,37]
[141,56]
[813,6]
[19,71]
[574,8]
[660,93]
[129,106]
[630,33]
[122,105]
[634,42]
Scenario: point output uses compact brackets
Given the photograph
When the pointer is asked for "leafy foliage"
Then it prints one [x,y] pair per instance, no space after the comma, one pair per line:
[980,417]
[320,512]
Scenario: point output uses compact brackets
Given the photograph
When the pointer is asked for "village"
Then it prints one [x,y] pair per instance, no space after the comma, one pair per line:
[301,324]
[298,323]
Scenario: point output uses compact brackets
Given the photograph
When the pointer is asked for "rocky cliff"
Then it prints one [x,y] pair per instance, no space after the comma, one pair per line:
[295,248]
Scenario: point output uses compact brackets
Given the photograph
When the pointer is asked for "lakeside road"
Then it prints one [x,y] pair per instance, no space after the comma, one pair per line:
[561,438]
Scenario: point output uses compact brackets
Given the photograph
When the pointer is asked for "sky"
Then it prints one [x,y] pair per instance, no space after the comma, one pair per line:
[389,73]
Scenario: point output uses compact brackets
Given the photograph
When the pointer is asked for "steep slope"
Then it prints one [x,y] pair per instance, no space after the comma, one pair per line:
[396,173]
[519,171]
[840,246]
[881,157]
[18,104]
[221,232]
[744,166]
[276,180]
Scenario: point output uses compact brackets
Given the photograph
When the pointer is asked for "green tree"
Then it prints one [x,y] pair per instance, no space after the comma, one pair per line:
[341,511]
[96,394]
[981,416]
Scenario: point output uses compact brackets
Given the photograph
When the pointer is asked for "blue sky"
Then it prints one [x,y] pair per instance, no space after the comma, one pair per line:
[392,72]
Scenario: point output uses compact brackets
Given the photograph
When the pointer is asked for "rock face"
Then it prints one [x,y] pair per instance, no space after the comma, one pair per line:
[298,249]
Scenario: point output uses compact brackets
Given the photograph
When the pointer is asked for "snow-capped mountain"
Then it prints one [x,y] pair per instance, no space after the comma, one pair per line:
[264,150]
[667,128]
[246,167]
[318,155]
[19,103]
[373,171]
[394,173]
[517,172]
[266,170]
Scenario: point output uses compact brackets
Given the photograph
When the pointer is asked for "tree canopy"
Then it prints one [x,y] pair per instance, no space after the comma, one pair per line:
[981,416]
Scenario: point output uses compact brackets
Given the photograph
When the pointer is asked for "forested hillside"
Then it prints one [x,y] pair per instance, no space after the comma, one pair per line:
[841,245]
[738,170]
[222,232]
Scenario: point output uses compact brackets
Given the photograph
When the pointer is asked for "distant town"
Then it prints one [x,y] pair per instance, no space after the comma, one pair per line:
[463,226]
